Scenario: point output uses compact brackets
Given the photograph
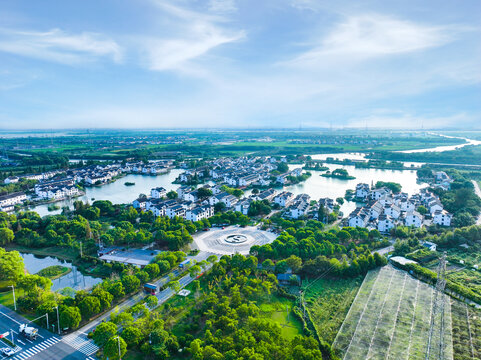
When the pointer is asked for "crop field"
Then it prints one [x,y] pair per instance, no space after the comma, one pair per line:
[466,332]
[390,319]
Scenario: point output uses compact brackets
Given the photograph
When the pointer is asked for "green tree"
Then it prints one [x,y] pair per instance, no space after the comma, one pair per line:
[174,286]
[130,283]
[422,210]
[104,297]
[151,301]
[116,289]
[103,332]
[111,348]
[89,306]
[69,317]
[294,262]
[132,336]
[172,195]
[203,192]
[153,270]
[282,167]
[11,266]
[281,266]
[6,236]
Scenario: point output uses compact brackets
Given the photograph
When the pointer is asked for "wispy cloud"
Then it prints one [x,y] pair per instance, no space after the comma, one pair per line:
[194,34]
[59,46]
[361,37]
[222,6]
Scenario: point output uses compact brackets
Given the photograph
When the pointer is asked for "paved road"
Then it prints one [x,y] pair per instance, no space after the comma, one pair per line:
[79,340]
[47,346]
[477,190]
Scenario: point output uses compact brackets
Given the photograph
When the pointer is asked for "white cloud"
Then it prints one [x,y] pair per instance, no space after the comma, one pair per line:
[59,46]
[365,36]
[193,34]
[222,6]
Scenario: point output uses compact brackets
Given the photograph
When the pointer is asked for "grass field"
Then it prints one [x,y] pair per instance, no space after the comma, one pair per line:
[390,319]
[279,310]
[328,301]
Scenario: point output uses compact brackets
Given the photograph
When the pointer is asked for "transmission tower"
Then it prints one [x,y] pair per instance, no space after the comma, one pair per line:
[437,313]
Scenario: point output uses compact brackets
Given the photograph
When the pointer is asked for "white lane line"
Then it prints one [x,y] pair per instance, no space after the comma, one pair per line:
[20,341]
[10,318]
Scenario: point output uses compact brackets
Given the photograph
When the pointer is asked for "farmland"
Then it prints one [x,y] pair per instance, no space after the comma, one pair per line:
[390,319]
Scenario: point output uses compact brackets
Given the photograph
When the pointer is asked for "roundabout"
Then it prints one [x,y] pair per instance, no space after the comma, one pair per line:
[232,240]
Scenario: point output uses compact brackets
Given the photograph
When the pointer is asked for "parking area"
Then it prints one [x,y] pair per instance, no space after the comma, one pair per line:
[232,239]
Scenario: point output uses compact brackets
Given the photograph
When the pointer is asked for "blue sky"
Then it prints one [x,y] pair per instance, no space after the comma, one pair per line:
[239,63]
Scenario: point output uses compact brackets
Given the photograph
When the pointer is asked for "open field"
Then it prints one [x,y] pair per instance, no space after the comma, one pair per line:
[328,301]
[390,319]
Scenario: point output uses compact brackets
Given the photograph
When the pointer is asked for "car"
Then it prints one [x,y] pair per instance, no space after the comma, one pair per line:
[7,351]
[206,229]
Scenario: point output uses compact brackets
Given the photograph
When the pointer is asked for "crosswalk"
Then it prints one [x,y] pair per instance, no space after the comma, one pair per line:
[81,344]
[25,354]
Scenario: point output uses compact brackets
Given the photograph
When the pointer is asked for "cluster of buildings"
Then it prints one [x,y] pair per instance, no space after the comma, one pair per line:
[187,205]
[8,201]
[240,172]
[385,210]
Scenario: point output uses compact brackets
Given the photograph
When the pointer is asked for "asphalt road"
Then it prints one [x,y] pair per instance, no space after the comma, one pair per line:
[47,346]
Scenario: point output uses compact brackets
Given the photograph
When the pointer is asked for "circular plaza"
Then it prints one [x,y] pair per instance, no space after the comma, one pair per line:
[232,239]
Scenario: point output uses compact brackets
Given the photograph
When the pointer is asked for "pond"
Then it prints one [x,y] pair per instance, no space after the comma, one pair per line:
[74,279]
[117,192]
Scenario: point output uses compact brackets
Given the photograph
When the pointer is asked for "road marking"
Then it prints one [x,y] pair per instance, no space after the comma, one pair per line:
[20,341]
[10,318]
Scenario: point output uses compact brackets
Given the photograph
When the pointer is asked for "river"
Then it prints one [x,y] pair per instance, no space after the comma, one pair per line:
[445,148]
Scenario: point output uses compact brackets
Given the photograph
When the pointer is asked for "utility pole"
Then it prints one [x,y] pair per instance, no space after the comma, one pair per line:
[118,339]
[58,320]
[46,315]
[14,300]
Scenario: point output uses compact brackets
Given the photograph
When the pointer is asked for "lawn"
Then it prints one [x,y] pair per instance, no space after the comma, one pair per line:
[328,301]
[279,310]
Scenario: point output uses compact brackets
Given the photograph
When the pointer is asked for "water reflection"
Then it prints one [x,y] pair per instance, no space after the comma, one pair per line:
[74,279]
[117,192]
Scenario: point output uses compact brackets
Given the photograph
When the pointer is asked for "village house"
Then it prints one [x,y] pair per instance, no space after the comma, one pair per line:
[299,207]
[243,206]
[359,217]
[158,192]
[12,199]
[413,218]
[385,223]
[199,213]
[284,198]
[362,191]
[442,217]
[11,180]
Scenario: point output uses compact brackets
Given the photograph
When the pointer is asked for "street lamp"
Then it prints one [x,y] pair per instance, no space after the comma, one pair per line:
[14,300]
[58,320]
[118,339]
